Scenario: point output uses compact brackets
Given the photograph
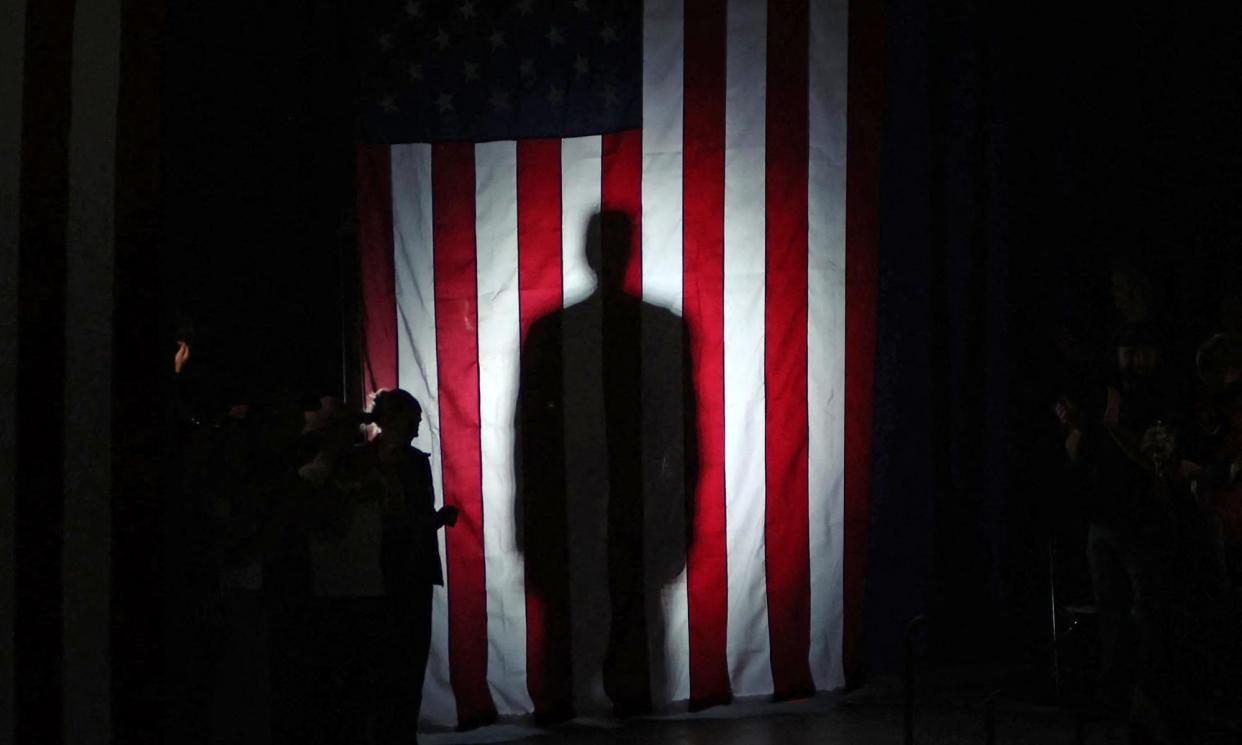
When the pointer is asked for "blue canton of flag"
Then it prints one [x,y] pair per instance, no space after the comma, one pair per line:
[480,70]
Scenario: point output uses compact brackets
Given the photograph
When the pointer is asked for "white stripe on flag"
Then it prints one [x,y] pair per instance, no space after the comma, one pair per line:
[581,161]
[416,367]
[662,285]
[662,144]
[826,340]
[745,447]
[585,456]
[499,343]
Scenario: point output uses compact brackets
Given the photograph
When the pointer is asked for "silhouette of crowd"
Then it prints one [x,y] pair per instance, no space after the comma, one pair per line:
[1152,427]
[303,560]
[303,552]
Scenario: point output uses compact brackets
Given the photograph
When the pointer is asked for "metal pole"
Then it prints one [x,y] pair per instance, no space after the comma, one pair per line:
[342,310]
[1052,607]
[989,718]
[908,676]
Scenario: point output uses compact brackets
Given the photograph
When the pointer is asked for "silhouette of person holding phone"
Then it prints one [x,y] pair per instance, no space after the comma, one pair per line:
[376,560]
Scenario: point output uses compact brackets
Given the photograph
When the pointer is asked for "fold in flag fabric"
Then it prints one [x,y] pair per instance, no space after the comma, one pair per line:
[605,246]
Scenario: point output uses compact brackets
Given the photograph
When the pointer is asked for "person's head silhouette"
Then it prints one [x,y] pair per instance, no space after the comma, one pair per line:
[609,247]
[398,414]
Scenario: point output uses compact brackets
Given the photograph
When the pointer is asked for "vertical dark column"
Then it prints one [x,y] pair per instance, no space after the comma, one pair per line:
[892,289]
[627,678]
[41,371]
[12,56]
[142,371]
[90,236]
[862,277]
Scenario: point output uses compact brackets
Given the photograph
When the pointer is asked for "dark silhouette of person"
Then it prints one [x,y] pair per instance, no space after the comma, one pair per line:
[249,516]
[376,558]
[217,500]
[409,558]
[1129,515]
[607,452]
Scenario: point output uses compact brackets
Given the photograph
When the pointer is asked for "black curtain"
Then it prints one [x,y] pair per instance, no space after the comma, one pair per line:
[1022,152]
[1019,152]
[258,171]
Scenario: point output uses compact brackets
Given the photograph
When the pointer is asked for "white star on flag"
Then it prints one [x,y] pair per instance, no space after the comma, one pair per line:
[497,39]
[445,102]
[442,39]
[555,96]
[554,36]
[500,100]
[467,9]
[471,71]
[610,97]
[582,65]
[413,8]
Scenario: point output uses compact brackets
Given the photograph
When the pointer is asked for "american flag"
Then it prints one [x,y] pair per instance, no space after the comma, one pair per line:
[497,133]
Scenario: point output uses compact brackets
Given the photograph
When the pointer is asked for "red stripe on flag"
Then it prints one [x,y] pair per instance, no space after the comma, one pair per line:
[549,670]
[622,190]
[375,257]
[862,241]
[539,228]
[787,540]
[703,301]
[457,353]
[627,664]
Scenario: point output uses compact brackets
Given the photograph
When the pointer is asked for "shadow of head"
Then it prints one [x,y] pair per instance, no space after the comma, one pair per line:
[610,248]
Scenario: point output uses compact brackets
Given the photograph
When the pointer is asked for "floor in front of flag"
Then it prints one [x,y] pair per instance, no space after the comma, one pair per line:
[949,710]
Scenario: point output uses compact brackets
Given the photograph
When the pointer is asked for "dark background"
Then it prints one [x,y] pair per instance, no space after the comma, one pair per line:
[258,175]
[1021,149]
[1024,150]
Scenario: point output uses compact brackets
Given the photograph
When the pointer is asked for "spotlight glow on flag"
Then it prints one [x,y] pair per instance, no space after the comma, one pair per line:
[718,130]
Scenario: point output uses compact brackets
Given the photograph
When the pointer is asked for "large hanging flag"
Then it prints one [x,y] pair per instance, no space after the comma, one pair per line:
[605,245]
